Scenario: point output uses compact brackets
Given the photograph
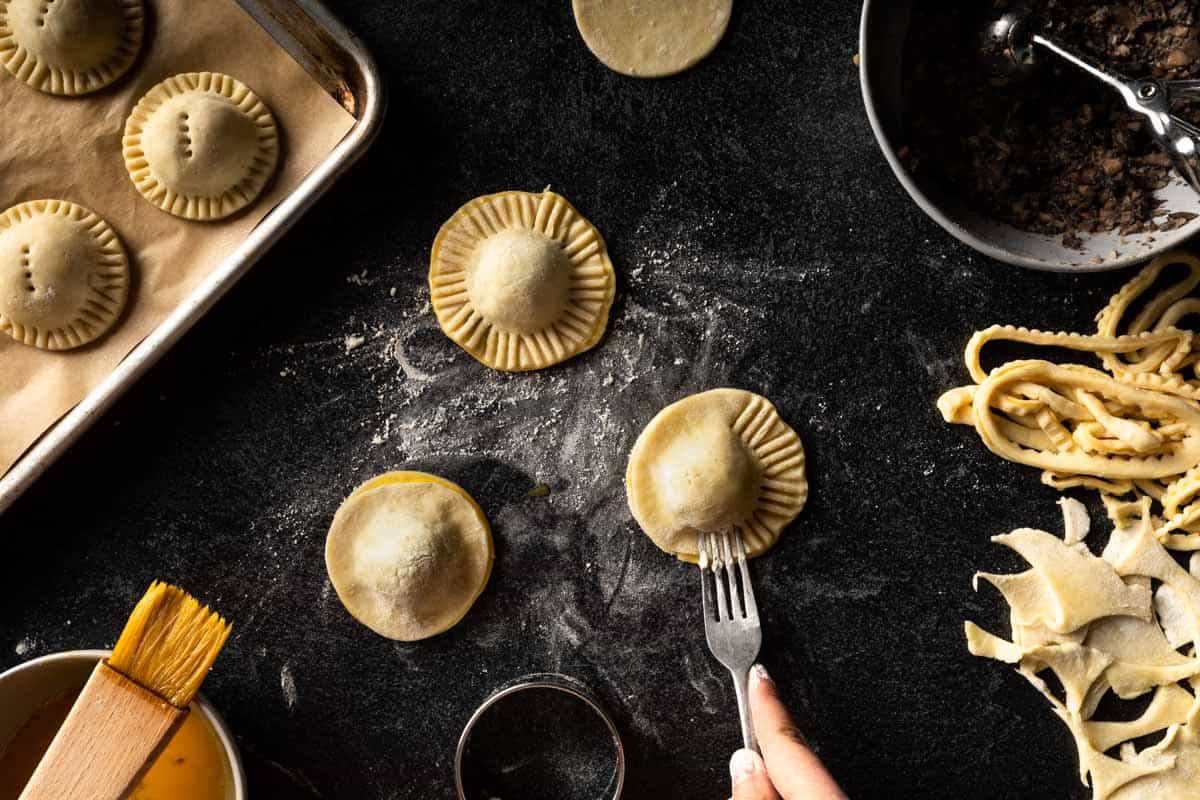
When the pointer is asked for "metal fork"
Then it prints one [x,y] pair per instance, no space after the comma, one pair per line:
[731,623]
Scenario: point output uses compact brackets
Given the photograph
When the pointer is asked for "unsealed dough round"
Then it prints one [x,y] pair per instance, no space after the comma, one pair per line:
[718,460]
[70,47]
[652,38]
[64,276]
[408,553]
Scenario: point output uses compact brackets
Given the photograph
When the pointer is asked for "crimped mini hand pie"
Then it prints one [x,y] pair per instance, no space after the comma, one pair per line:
[70,47]
[718,460]
[408,553]
[521,281]
[64,276]
[200,145]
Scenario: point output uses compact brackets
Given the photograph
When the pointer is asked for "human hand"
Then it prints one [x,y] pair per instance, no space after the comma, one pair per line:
[787,769]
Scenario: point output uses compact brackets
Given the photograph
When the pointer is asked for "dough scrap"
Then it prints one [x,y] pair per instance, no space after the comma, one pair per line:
[200,145]
[64,276]
[70,47]
[714,461]
[521,281]
[408,554]
[1066,588]
[652,38]
[1122,653]
[1132,430]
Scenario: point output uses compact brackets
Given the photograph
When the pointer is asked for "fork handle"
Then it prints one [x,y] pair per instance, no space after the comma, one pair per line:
[741,688]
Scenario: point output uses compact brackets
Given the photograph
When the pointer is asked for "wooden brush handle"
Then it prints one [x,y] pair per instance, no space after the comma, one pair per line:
[114,731]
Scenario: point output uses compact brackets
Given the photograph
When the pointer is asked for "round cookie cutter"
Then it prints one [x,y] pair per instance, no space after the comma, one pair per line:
[544,680]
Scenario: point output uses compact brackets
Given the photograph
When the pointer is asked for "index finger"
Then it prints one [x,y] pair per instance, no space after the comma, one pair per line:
[795,770]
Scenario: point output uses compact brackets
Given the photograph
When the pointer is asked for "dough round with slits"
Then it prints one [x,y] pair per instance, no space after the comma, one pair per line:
[200,145]
[652,38]
[64,276]
[718,460]
[70,47]
[408,554]
[521,281]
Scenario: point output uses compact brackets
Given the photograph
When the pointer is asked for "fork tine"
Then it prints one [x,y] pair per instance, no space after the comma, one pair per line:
[735,597]
[747,586]
[718,567]
[705,592]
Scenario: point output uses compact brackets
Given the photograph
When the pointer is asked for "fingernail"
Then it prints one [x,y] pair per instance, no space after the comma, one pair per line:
[743,764]
[758,674]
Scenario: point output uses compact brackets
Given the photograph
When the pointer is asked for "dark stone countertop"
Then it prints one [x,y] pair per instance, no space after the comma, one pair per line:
[760,242]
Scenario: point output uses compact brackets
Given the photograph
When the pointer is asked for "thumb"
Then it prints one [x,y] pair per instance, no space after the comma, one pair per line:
[749,775]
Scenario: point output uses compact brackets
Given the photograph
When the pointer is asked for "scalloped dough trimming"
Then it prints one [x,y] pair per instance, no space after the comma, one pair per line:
[521,281]
[408,554]
[718,460]
[652,38]
[64,276]
[70,47]
[1132,430]
[200,145]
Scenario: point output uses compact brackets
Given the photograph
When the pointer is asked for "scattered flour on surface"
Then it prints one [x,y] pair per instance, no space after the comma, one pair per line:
[424,403]
[287,683]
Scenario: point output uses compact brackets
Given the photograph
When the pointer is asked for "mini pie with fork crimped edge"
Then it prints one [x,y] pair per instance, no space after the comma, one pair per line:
[714,461]
[70,47]
[521,280]
[200,145]
[408,553]
[64,276]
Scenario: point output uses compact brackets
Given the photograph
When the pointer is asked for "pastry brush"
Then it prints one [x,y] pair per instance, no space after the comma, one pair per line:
[133,701]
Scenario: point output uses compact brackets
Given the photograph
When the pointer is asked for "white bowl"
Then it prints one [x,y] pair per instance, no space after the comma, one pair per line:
[27,687]
[881,57]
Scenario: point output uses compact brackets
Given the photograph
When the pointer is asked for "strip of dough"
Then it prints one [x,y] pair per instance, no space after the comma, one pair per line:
[1153,407]
[1079,430]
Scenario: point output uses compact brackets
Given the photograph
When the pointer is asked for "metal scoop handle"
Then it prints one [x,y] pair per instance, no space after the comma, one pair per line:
[1152,99]
[1178,137]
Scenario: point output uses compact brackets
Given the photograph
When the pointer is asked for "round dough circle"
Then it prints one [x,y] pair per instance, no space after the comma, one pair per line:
[652,38]
[521,281]
[714,461]
[70,47]
[200,145]
[64,276]
[408,554]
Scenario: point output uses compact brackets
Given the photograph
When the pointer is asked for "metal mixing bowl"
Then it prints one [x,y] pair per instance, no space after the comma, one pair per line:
[882,38]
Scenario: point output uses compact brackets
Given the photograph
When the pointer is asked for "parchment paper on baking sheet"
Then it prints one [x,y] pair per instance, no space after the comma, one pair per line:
[70,149]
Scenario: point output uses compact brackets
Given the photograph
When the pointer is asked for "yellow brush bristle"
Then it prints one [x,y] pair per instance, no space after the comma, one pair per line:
[169,643]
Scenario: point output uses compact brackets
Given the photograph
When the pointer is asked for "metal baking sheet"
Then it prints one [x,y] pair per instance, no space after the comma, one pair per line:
[337,60]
